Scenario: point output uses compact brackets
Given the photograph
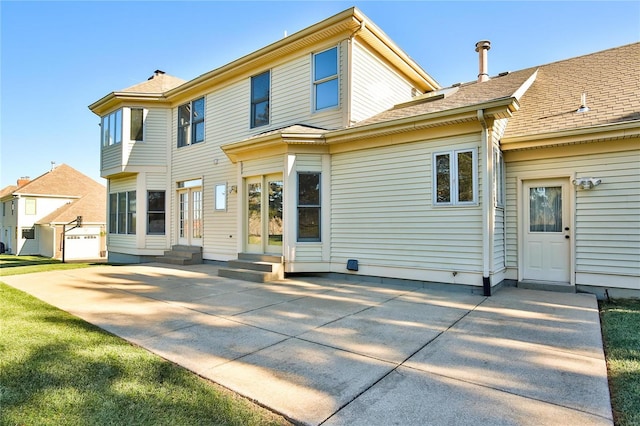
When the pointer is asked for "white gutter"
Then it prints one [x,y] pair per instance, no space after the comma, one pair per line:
[487,192]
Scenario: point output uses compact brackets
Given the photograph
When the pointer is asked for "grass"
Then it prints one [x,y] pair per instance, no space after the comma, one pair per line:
[56,369]
[620,321]
[15,265]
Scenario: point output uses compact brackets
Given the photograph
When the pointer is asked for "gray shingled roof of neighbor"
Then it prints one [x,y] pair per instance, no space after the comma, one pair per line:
[91,207]
[158,83]
[610,79]
[64,181]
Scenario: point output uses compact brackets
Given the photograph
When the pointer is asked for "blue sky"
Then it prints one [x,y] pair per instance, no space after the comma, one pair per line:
[59,57]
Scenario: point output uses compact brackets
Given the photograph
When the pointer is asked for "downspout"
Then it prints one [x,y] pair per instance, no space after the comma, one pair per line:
[486,205]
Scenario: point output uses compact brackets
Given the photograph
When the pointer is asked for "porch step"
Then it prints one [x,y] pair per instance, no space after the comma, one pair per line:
[182,255]
[546,286]
[254,267]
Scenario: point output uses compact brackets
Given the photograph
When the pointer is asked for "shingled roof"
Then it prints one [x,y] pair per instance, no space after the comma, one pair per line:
[62,181]
[500,87]
[158,83]
[91,207]
[610,79]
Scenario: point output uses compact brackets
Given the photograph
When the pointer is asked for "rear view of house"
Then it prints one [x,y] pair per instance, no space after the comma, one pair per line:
[331,151]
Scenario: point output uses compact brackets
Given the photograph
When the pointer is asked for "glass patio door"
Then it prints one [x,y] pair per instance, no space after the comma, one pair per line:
[190,228]
[264,227]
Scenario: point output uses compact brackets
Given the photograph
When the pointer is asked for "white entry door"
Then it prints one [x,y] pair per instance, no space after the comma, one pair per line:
[190,216]
[547,233]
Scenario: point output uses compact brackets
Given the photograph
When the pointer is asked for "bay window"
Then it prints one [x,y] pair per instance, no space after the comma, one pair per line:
[308,206]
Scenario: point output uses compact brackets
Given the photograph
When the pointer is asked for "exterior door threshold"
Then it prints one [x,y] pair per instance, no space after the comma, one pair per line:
[559,287]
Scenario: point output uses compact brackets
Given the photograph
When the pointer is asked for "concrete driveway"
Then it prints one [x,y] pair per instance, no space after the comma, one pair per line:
[333,352]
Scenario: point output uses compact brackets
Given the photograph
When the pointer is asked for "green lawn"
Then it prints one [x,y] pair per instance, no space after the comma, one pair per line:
[620,324]
[56,369]
[15,265]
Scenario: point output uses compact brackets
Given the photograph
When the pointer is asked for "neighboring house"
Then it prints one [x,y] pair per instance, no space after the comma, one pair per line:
[336,152]
[35,211]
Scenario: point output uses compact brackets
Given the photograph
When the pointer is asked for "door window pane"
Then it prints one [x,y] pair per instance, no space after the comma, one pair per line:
[254,201]
[275,213]
[545,209]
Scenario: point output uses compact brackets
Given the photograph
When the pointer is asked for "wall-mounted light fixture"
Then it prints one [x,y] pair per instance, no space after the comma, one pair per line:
[233,189]
[586,183]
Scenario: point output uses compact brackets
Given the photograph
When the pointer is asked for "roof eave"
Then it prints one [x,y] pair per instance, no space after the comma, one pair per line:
[609,131]
[107,103]
[499,108]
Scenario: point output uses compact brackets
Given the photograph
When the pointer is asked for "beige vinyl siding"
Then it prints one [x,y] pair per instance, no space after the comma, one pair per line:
[153,150]
[382,212]
[376,87]
[263,166]
[607,229]
[111,157]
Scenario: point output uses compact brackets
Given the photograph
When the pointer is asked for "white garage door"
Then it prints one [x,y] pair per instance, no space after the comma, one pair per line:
[82,246]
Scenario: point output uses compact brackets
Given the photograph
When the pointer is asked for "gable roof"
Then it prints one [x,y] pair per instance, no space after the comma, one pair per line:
[91,207]
[610,79]
[62,181]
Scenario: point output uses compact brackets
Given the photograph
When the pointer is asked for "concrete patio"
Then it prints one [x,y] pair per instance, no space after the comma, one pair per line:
[333,352]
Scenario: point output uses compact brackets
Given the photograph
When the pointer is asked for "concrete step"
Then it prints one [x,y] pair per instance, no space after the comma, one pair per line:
[182,255]
[253,266]
[254,257]
[546,286]
[248,275]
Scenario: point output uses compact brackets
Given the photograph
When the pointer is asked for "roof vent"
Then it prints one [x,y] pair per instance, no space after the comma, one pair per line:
[482,47]
[156,73]
[583,104]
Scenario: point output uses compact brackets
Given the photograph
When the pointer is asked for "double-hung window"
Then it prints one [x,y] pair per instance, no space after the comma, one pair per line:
[191,123]
[455,177]
[308,206]
[260,91]
[136,132]
[111,126]
[325,79]
[155,212]
[122,213]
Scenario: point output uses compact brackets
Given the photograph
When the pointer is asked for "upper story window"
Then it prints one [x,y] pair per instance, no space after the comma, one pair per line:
[137,125]
[191,123]
[30,206]
[455,177]
[260,90]
[112,128]
[325,79]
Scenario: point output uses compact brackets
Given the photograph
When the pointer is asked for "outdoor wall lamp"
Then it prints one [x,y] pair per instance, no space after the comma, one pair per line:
[586,183]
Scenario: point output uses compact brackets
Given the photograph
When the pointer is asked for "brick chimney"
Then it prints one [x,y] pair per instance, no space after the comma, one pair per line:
[23,181]
[482,47]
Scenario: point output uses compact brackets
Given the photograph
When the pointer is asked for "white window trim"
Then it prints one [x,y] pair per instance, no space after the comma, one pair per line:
[453,178]
[315,82]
